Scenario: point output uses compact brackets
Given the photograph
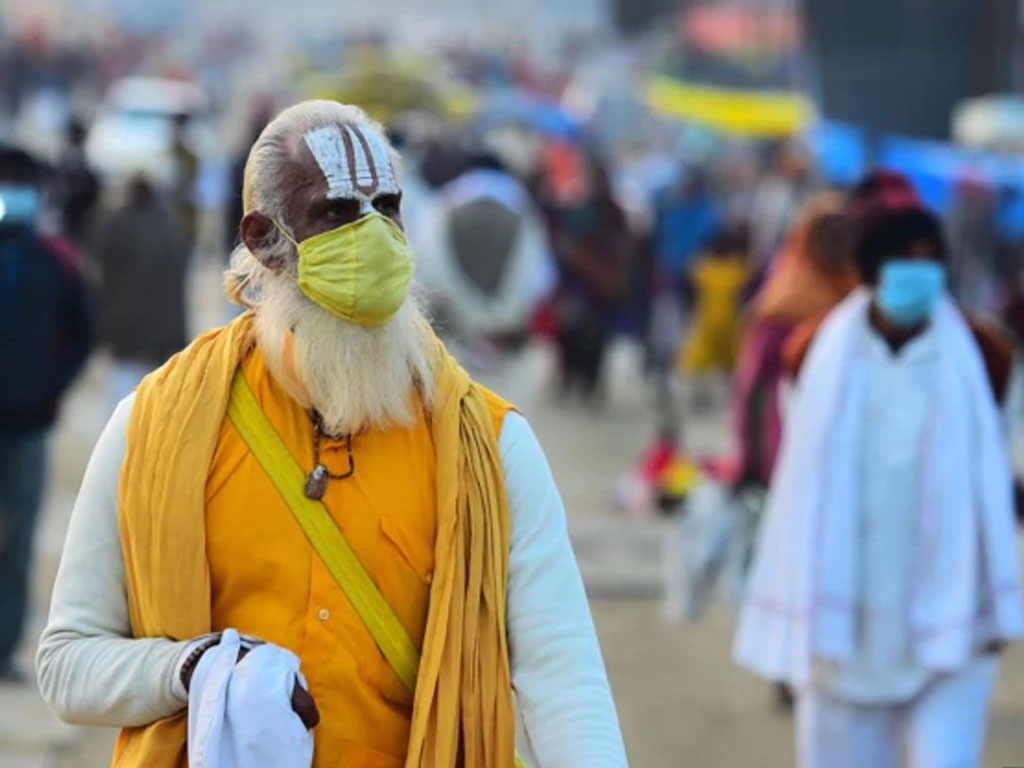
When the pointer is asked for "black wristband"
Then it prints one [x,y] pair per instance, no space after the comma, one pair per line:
[188,667]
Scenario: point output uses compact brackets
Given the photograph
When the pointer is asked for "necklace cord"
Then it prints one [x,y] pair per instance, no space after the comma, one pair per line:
[318,430]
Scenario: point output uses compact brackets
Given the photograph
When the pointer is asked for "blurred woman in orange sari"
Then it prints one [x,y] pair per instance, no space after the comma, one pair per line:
[813,273]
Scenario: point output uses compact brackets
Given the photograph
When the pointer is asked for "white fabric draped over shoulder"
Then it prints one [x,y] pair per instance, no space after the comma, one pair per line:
[801,603]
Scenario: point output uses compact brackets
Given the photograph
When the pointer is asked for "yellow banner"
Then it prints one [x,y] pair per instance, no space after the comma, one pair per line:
[743,112]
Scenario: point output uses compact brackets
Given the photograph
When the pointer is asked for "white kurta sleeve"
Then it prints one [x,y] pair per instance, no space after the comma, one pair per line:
[91,671]
[557,669]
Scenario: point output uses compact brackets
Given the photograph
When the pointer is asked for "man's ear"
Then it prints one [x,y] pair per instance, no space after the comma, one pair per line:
[255,230]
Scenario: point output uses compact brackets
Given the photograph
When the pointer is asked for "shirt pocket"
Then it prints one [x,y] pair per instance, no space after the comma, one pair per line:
[400,545]
[416,553]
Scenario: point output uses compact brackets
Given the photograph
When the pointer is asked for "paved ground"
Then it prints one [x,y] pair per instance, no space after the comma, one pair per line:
[681,701]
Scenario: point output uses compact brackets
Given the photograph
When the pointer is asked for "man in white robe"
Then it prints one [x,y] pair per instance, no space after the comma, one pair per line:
[886,577]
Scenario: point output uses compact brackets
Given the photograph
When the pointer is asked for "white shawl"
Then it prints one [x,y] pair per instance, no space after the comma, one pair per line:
[802,600]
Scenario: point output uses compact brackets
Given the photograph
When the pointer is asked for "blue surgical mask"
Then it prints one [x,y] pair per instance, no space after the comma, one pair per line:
[908,290]
[19,204]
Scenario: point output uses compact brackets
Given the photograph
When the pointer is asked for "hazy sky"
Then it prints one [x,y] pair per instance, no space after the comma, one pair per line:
[539,21]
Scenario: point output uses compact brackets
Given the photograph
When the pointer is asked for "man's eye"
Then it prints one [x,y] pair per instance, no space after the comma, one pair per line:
[387,204]
[343,210]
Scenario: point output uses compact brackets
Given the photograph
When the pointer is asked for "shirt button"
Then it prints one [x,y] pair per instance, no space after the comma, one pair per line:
[324,614]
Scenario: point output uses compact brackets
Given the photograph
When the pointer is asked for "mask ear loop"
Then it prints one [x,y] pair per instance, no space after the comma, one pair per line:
[280,228]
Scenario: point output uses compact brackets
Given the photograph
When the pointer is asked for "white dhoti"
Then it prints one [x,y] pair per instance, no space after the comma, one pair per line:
[943,727]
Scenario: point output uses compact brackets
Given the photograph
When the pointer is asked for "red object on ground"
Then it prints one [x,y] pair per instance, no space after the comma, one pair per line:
[656,461]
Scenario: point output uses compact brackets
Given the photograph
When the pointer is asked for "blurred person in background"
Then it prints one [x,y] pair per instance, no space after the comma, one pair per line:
[442,158]
[186,173]
[716,280]
[262,112]
[736,171]
[45,337]
[488,263]
[593,248]
[1012,313]
[777,199]
[974,244]
[886,576]
[76,186]
[814,272]
[686,218]
[320,474]
[418,196]
[143,255]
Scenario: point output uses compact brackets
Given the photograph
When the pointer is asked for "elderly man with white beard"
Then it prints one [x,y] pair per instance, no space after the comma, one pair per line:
[316,505]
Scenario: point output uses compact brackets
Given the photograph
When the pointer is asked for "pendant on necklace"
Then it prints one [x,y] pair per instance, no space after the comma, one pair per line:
[316,483]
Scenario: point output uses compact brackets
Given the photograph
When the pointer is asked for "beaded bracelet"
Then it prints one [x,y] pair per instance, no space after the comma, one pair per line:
[188,667]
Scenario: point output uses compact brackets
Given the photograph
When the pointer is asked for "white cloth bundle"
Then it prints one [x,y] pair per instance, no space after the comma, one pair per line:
[802,599]
[240,712]
[707,552]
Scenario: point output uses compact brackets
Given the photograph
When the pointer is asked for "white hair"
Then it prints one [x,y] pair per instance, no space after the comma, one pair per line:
[354,376]
[265,187]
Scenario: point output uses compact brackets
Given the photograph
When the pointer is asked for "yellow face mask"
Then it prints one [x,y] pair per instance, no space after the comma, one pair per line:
[360,271]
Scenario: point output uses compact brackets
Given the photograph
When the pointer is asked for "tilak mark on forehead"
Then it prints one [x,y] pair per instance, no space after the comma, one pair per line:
[354,161]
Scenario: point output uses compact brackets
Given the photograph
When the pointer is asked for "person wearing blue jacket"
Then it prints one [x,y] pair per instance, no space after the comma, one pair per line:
[46,332]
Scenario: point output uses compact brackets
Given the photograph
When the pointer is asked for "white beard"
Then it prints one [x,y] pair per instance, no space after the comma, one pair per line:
[355,377]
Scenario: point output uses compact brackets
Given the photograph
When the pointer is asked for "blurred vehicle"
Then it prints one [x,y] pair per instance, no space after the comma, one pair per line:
[135,127]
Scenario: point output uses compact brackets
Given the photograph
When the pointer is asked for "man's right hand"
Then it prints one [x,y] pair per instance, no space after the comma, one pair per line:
[302,701]
[304,706]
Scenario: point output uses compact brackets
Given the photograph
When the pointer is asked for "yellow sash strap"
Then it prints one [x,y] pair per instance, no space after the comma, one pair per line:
[327,539]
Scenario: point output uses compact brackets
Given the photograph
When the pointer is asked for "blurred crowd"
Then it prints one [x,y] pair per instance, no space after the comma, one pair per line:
[531,223]
[529,220]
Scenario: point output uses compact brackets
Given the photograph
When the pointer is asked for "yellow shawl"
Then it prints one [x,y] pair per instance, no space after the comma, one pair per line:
[462,711]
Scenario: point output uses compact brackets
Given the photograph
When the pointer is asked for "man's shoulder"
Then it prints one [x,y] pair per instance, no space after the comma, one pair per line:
[996,347]
[497,406]
[997,352]
[206,353]
[798,344]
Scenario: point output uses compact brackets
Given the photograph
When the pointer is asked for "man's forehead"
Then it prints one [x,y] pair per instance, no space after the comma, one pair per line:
[354,161]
